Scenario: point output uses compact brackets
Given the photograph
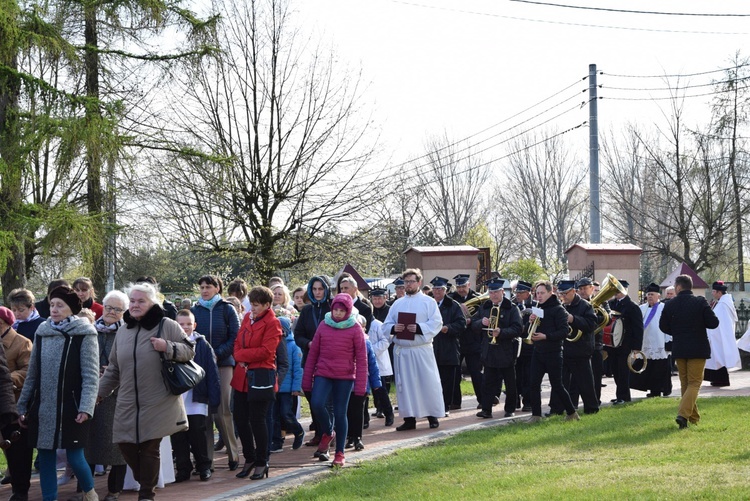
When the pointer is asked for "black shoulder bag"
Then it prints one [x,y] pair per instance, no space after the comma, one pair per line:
[179,377]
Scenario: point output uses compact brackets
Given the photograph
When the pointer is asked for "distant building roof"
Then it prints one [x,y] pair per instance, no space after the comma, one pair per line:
[444,249]
[608,248]
[684,269]
[361,282]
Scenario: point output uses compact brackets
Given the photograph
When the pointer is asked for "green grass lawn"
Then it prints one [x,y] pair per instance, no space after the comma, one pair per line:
[630,452]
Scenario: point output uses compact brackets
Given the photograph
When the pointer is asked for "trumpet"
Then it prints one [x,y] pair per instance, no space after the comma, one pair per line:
[532,330]
[533,327]
[494,319]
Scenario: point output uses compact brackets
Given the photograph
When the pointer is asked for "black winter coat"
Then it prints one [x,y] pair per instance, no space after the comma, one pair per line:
[307,323]
[460,300]
[381,313]
[365,309]
[505,351]
[584,319]
[686,317]
[446,344]
[632,323]
[554,325]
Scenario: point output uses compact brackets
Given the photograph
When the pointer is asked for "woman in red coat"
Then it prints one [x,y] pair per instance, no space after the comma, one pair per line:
[255,351]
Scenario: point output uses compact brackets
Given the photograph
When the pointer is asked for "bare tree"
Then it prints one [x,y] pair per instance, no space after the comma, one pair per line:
[544,183]
[283,136]
[731,109]
[671,198]
[454,185]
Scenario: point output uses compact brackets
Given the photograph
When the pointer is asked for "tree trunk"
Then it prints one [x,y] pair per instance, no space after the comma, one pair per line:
[93,148]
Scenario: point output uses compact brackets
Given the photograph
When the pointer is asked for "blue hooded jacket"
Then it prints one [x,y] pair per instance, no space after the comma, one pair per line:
[293,379]
[311,315]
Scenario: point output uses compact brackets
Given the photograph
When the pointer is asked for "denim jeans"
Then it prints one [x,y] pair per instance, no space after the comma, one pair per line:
[48,471]
[338,390]
[284,414]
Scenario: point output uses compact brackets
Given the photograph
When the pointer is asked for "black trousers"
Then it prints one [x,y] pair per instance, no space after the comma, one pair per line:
[382,401]
[355,415]
[578,379]
[193,439]
[597,368]
[19,457]
[450,377]
[619,364]
[492,384]
[523,380]
[386,382]
[550,364]
[250,422]
[474,366]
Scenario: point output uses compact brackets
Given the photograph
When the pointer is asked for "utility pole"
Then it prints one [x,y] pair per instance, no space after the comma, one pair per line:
[595,229]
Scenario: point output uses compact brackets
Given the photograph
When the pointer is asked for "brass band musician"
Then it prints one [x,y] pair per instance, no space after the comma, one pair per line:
[499,324]
[577,375]
[548,337]
[522,300]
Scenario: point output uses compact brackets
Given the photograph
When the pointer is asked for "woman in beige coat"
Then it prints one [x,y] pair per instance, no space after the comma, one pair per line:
[146,411]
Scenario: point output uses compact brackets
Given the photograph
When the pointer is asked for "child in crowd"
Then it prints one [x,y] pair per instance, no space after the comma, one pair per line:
[357,410]
[198,402]
[290,387]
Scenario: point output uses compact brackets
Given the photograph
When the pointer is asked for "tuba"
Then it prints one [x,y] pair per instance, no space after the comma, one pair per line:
[470,306]
[494,319]
[610,288]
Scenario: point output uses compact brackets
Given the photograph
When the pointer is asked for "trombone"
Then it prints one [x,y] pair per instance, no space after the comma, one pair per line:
[494,319]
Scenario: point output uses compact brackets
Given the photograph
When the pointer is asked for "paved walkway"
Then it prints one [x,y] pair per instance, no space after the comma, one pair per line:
[291,468]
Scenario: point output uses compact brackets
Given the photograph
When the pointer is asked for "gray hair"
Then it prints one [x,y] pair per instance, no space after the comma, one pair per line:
[144,287]
[118,296]
[349,280]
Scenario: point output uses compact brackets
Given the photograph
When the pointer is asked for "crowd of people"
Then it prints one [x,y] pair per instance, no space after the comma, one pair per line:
[78,376]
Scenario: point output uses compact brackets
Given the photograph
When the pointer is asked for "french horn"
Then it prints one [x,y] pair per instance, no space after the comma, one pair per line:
[637,355]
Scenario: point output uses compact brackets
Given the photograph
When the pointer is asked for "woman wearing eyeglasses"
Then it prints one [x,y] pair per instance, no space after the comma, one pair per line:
[100,449]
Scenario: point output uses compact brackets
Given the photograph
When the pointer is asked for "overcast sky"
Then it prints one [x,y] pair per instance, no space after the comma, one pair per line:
[465,66]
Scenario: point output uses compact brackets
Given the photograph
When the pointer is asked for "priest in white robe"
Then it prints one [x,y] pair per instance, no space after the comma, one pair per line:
[724,352]
[657,378]
[413,321]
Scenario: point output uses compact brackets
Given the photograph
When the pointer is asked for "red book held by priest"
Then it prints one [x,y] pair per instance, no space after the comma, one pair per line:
[407,319]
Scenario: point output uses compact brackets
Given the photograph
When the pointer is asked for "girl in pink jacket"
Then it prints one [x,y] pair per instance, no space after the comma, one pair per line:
[336,365]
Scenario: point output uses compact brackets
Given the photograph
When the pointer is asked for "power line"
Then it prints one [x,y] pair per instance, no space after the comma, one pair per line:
[387,171]
[475,167]
[659,13]
[506,140]
[469,148]
[454,143]
[676,88]
[583,25]
[666,98]
[677,75]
